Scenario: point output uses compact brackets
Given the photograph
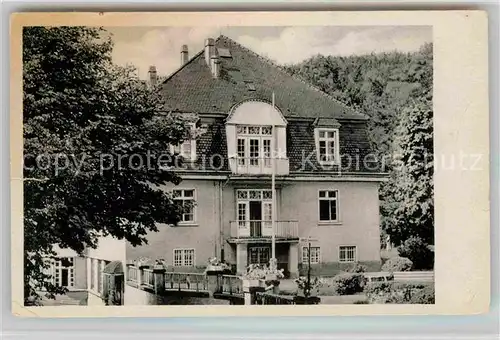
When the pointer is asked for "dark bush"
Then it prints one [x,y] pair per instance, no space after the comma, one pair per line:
[348,283]
[360,302]
[400,293]
[397,264]
[418,252]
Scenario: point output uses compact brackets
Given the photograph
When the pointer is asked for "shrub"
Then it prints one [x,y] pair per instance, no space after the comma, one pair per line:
[397,264]
[348,283]
[418,252]
[360,302]
[423,296]
[400,293]
[357,268]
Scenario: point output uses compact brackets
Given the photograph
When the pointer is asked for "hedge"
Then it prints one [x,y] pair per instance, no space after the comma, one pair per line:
[397,264]
[400,293]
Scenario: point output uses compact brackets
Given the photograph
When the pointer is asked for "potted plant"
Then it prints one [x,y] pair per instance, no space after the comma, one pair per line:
[254,276]
[216,266]
[160,264]
[261,276]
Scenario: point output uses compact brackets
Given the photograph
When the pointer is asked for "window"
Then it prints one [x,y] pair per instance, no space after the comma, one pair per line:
[64,268]
[186,199]
[101,265]
[187,149]
[254,145]
[183,257]
[259,255]
[315,255]
[327,145]
[92,274]
[328,206]
[347,254]
[224,52]
[255,210]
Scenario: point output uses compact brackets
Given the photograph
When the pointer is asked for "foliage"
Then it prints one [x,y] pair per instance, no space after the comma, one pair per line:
[357,268]
[215,262]
[423,296]
[308,287]
[418,252]
[409,209]
[395,91]
[400,293]
[260,272]
[397,264]
[83,120]
[348,283]
[379,85]
[360,302]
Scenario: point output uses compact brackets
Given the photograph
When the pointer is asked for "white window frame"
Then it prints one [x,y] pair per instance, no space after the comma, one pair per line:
[337,201]
[266,202]
[264,152]
[346,260]
[316,260]
[183,257]
[180,147]
[58,267]
[336,151]
[184,198]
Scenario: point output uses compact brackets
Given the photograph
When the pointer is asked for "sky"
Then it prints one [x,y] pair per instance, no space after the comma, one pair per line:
[160,46]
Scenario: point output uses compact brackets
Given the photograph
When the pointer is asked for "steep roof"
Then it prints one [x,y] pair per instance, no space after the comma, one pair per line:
[246,75]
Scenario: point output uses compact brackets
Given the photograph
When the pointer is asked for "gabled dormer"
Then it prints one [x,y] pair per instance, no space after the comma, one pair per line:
[256,133]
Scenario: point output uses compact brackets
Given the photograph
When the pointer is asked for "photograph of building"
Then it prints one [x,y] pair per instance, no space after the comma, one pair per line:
[279,173]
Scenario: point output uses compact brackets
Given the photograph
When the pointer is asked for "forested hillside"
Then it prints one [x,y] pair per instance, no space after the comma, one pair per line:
[395,91]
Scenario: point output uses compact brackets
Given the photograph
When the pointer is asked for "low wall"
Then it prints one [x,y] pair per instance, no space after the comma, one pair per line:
[135,296]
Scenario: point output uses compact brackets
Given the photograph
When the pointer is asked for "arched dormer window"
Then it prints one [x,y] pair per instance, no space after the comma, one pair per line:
[256,132]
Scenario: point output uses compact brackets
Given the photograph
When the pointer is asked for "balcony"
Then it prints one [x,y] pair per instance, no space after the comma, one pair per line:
[262,230]
[258,166]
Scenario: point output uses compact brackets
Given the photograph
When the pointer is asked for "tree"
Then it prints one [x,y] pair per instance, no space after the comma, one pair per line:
[409,208]
[95,149]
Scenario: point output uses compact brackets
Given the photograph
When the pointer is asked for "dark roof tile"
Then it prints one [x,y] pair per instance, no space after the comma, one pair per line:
[193,89]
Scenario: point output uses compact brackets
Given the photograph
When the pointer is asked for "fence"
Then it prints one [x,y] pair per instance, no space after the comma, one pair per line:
[192,282]
[263,298]
[422,276]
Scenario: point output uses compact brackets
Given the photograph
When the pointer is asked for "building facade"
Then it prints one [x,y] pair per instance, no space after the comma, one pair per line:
[254,119]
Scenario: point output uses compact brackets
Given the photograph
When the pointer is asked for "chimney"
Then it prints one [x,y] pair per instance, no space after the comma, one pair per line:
[184,54]
[215,66]
[209,50]
[152,75]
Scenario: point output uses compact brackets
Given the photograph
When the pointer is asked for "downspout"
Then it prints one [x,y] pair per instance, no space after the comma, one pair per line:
[221,217]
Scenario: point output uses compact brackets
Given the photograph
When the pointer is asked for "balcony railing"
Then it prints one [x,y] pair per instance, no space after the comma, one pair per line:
[258,166]
[264,229]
